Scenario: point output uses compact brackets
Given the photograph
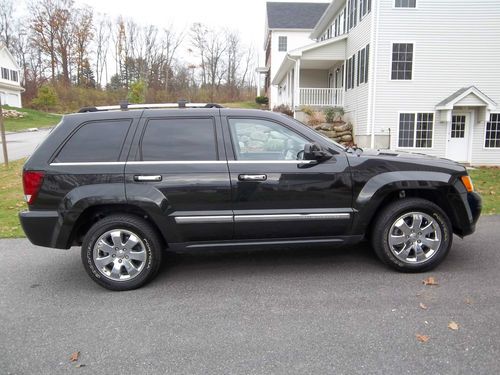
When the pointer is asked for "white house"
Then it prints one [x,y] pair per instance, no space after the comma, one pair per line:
[10,85]
[288,26]
[417,75]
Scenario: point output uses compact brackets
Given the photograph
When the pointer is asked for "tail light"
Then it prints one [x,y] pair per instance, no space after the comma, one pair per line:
[32,180]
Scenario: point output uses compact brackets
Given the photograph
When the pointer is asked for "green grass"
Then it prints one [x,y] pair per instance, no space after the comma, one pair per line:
[244,105]
[11,199]
[487,183]
[31,119]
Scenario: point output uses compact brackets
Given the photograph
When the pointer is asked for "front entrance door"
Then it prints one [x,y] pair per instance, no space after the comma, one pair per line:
[458,138]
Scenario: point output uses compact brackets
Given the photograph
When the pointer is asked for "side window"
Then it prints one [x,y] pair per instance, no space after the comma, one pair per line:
[96,141]
[282,43]
[255,139]
[176,139]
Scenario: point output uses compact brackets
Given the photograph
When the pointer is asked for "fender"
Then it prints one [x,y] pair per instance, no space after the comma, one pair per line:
[77,201]
[378,187]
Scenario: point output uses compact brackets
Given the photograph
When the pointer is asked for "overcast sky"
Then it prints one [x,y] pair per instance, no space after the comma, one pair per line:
[246,16]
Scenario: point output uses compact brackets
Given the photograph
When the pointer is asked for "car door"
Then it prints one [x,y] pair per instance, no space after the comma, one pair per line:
[275,195]
[178,169]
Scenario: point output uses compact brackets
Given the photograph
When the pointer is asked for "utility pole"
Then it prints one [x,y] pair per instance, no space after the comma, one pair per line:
[4,141]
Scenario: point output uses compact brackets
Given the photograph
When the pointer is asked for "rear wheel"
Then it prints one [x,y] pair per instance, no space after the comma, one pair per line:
[412,235]
[121,252]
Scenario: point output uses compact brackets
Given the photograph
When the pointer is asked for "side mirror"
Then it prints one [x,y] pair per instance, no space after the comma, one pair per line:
[313,151]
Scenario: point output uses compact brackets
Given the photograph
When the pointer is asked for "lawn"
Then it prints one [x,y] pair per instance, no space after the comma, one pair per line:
[486,182]
[11,199]
[244,105]
[31,119]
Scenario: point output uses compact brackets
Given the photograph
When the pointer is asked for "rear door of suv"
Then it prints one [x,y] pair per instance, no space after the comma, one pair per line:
[177,169]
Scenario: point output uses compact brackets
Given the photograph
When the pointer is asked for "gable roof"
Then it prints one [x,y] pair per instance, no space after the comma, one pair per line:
[4,48]
[294,15]
[458,95]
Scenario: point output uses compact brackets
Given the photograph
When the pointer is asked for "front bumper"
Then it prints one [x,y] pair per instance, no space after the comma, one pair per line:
[40,226]
[473,205]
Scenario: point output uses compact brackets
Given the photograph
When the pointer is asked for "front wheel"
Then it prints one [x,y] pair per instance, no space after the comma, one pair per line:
[121,252]
[412,235]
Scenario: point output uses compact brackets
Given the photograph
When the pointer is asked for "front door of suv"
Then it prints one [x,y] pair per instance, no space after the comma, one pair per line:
[178,169]
[276,195]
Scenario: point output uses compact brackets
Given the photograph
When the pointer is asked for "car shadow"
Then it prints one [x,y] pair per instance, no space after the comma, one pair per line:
[267,259]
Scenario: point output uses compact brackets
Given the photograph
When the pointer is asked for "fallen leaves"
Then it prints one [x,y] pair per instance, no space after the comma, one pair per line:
[423,306]
[74,356]
[422,338]
[430,281]
[453,326]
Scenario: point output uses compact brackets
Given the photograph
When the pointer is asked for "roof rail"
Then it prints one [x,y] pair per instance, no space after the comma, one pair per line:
[124,105]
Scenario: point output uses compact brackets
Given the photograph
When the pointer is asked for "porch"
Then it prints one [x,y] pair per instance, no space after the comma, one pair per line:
[313,75]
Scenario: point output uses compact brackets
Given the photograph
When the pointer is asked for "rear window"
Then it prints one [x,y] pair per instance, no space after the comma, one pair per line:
[96,141]
[178,139]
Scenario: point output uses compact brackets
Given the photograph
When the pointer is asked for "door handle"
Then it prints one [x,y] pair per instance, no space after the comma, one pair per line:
[147,178]
[252,177]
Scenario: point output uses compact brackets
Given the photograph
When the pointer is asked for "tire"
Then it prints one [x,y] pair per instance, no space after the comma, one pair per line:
[125,267]
[412,235]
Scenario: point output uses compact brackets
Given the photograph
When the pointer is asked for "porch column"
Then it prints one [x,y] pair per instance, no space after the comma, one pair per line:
[258,82]
[296,83]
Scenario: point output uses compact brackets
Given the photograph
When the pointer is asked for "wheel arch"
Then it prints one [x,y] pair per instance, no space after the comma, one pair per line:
[387,187]
[95,213]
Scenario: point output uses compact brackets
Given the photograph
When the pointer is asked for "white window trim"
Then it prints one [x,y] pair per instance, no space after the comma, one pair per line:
[415,131]
[361,16]
[484,134]
[413,70]
[286,39]
[404,8]
[361,84]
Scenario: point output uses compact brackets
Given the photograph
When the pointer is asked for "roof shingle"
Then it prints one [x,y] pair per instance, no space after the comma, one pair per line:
[294,15]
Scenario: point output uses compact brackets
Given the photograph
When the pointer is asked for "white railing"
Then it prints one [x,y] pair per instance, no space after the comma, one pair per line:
[322,97]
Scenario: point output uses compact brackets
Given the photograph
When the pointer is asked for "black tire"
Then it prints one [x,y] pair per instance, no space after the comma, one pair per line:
[395,210]
[150,245]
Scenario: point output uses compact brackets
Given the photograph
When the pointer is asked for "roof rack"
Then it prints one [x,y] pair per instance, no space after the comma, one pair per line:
[124,105]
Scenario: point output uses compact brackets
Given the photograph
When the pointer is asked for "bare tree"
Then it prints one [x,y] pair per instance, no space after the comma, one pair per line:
[6,22]
[82,36]
[102,34]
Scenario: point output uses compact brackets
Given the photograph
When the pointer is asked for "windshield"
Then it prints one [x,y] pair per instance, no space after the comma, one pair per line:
[329,140]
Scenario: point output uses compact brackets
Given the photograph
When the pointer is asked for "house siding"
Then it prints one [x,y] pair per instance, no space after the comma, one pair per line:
[480,154]
[450,52]
[295,39]
[10,91]
[356,99]
[313,78]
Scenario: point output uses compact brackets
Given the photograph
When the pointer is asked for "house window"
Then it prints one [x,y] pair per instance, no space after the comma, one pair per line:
[365,7]
[406,4]
[5,73]
[363,58]
[458,127]
[351,68]
[402,61]
[282,43]
[492,139]
[415,130]
[14,76]
[353,5]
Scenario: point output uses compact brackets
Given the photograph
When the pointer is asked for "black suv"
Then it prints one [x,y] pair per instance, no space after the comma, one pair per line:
[127,183]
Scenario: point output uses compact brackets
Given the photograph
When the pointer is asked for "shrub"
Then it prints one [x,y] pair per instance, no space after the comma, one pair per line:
[263,100]
[332,112]
[46,98]
[283,109]
[137,92]
[307,110]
